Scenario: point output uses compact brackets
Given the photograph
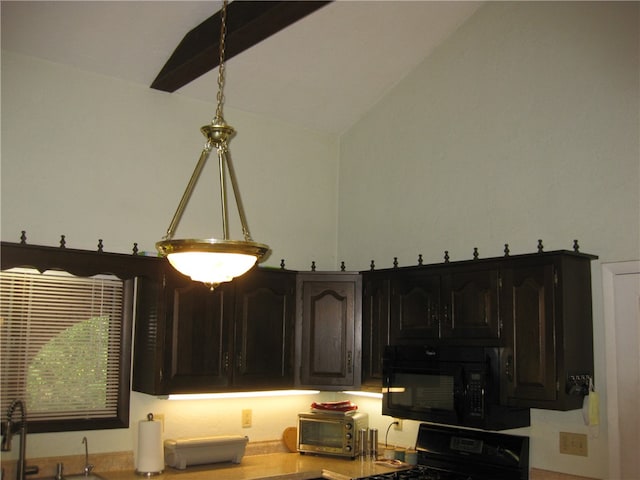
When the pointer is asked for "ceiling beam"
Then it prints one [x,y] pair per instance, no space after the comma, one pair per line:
[248,22]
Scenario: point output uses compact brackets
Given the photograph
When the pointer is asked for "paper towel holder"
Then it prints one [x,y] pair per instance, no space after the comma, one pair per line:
[149,473]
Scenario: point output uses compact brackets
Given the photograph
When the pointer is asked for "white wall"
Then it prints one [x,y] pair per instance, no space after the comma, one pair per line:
[92,157]
[524,125]
[183,418]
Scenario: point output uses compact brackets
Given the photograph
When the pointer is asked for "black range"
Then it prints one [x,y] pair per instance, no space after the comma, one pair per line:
[450,453]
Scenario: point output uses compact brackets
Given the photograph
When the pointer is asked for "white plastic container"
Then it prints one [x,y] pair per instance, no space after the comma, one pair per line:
[185,452]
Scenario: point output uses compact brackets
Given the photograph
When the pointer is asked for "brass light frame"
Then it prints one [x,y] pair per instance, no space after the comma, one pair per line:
[221,252]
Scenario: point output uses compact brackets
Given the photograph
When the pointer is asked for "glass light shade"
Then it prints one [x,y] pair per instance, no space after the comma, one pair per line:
[212,261]
[211,267]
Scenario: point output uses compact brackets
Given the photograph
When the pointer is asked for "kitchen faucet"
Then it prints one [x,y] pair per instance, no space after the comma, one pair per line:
[87,466]
[21,467]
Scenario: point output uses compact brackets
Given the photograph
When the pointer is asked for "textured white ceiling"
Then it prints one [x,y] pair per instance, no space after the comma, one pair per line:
[323,72]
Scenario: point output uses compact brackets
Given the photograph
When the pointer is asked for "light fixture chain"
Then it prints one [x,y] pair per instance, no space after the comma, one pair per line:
[213,261]
[221,66]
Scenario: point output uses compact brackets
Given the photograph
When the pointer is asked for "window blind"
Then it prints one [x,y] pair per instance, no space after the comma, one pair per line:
[60,343]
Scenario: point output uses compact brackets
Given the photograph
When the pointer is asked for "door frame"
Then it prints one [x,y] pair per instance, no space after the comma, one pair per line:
[609,272]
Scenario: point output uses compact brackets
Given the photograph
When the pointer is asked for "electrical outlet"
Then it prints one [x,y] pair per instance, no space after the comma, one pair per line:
[573,444]
[159,417]
[246,418]
[398,424]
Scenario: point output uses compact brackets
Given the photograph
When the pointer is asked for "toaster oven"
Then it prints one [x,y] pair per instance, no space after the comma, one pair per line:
[330,433]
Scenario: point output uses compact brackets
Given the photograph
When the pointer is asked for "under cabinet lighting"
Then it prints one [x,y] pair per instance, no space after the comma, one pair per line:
[363,394]
[269,393]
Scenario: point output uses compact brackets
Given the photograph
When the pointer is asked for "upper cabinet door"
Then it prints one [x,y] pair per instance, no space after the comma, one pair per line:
[470,306]
[198,335]
[330,316]
[548,331]
[264,320]
[530,360]
[375,327]
[415,307]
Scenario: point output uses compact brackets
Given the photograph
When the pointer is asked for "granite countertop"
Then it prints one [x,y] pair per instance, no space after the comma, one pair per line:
[267,464]
[293,466]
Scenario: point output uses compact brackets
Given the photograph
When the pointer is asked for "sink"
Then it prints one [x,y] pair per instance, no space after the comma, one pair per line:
[78,476]
[82,476]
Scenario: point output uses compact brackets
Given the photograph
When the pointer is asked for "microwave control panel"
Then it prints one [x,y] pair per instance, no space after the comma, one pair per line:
[475,394]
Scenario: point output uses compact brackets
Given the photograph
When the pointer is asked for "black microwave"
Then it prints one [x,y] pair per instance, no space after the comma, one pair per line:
[451,385]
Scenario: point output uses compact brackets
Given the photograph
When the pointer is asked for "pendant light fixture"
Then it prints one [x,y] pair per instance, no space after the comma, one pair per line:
[214,261]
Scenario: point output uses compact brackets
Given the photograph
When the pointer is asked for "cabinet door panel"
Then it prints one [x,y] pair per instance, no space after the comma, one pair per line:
[415,308]
[199,338]
[531,356]
[328,353]
[375,329]
[471,308]
[264,330]
[149,359]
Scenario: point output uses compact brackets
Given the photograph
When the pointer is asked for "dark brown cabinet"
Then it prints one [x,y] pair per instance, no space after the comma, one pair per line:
[415,312]
[198,337]
[327,330]
[535,308]
[445,304]
[375,327]
[470,305]
[546,303]
[190,339]
[329,316]
[431,304]
[264,329]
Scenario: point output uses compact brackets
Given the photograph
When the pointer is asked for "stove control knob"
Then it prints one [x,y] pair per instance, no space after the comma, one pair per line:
[348,448]
[348,436]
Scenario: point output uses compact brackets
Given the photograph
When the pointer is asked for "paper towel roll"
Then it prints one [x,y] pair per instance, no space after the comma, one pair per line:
[150,451]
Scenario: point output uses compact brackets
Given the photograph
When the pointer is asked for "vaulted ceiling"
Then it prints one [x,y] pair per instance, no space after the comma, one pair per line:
[324,71]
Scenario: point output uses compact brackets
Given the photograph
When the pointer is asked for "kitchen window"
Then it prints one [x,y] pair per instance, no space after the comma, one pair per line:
[60,343]
[65,336]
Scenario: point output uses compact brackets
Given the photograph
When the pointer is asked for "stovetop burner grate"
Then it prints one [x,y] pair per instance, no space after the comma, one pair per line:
[420,472]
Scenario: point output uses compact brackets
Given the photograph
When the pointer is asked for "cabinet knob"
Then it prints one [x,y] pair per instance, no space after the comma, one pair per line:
[508,368]
[226,361]
[239,362]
